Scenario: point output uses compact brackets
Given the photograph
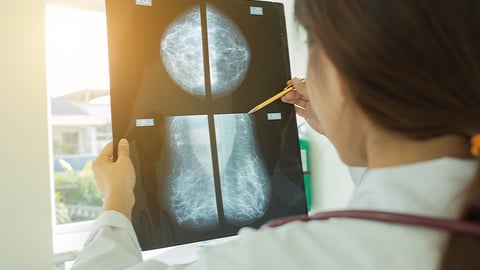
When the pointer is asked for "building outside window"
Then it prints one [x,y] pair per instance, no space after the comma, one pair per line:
[68,144]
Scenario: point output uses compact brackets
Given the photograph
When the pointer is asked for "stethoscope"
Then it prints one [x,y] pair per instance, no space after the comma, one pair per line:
[451,225]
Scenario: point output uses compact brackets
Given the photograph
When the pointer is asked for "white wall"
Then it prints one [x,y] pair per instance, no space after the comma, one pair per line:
[331,182]
[25,228]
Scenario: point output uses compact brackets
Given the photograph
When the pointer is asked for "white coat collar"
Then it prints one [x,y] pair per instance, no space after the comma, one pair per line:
[431,188]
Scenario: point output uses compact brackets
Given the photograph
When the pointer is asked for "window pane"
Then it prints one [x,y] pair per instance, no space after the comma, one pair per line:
[78,85]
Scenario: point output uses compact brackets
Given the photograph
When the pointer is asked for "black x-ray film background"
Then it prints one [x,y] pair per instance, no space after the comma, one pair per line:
[141,88]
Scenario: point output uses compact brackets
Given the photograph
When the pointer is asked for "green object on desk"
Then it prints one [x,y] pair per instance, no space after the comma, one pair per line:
[304,153]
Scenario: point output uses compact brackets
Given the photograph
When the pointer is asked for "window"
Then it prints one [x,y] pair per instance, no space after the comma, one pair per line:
[78,87]
[77,82]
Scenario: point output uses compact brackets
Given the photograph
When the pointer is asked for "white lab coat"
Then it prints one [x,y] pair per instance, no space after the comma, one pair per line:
[426,188]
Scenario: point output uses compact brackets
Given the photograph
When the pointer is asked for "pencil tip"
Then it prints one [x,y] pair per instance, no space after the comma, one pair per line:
[252,111]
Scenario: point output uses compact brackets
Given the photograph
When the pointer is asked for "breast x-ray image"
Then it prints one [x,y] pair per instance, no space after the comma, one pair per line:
[183,76]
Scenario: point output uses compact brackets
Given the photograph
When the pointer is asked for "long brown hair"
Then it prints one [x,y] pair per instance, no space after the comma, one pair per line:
[413,66]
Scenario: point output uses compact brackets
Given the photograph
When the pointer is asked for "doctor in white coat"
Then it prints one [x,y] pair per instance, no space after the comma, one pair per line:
[395,85]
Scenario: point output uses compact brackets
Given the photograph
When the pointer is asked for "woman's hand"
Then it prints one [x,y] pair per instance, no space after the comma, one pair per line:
[116,180]
[299,98]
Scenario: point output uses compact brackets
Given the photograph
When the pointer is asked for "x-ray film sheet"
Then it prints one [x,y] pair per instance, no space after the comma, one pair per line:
[183,73]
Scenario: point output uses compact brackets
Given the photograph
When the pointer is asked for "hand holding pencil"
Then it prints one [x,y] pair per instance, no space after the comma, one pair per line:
[299,98]
[282,93]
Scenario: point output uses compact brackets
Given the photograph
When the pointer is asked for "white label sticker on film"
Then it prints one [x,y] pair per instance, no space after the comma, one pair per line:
[274,116]
[256,11]
[147,3]
[145,122]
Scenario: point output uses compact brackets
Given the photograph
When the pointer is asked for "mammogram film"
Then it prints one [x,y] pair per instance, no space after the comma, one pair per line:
[182,52]
[183,74]
[192,198]
[243,174]
[244,181]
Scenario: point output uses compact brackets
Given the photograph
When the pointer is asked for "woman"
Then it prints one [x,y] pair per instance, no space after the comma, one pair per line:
[395,85]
